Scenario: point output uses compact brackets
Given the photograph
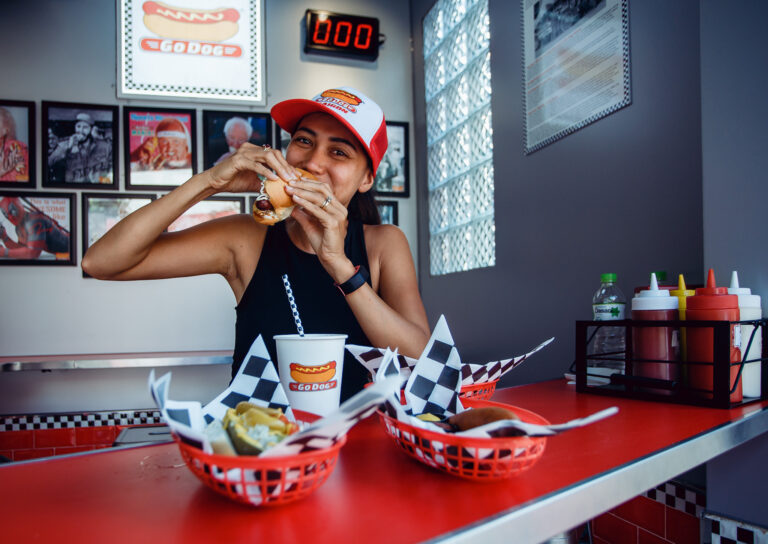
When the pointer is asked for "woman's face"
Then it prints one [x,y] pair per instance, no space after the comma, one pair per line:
[325,147]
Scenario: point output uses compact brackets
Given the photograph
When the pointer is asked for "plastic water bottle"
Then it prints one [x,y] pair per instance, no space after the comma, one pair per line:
[608,304]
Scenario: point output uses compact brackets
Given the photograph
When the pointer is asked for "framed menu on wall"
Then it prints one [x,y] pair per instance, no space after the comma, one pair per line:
[576,66]
[192,49]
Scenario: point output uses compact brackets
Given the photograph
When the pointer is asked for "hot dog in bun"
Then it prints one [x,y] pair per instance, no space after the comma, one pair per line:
[273,204]
[475,417]
[214,25]
[313,374]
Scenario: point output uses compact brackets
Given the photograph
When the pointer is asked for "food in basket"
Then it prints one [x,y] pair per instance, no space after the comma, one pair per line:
[475,417]
[249,429]
[469,419]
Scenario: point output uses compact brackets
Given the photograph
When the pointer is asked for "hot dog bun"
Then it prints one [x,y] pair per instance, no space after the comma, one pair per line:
[475,417]
[280,201]
[168,21]
[313,374]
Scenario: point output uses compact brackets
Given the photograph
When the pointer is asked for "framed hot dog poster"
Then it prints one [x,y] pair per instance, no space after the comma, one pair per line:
[192,49]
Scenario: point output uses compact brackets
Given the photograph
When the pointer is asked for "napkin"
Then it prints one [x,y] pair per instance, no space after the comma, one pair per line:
[434,384]
[471,373]
[257,382]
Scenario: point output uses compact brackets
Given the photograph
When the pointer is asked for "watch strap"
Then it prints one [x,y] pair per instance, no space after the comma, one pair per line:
[355,282]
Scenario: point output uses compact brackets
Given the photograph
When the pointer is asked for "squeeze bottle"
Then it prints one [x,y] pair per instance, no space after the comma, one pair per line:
[653,345]
[712,303]
[682,295]
[749,308]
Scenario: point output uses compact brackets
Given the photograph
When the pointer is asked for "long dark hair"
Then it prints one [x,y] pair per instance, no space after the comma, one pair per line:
[363,208]
[363,205]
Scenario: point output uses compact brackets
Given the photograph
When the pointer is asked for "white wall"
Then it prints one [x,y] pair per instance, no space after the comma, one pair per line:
[65,51]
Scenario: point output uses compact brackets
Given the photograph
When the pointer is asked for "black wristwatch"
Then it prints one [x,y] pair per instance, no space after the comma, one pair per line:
[355,282]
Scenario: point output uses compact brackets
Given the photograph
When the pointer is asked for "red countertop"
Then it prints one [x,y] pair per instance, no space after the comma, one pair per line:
[376,493]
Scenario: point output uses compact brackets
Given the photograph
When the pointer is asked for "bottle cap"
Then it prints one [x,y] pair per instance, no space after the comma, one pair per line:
[712,297]
[654,298]
[746,298]
[682,293]
[606,278]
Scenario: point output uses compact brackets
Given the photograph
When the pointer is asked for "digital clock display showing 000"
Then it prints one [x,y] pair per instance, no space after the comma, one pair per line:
[339,34]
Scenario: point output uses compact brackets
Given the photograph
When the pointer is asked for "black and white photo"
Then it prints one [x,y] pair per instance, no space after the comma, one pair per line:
[79,145]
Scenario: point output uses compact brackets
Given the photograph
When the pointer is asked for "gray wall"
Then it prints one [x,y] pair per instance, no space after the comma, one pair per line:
[734,111]
[622,195]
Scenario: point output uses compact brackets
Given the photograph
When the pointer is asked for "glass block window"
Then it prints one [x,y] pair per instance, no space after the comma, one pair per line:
[457,74]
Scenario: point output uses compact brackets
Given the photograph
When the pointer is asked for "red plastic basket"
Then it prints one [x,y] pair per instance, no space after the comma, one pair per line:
[479,459]
[481,391]
[262,481]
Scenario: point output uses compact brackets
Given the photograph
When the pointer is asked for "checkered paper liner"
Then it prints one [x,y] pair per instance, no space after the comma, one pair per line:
[257,382]
[471,373]
[433,386]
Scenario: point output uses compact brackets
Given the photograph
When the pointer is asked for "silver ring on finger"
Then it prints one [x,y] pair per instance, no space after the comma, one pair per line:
[327,201]
[266,147]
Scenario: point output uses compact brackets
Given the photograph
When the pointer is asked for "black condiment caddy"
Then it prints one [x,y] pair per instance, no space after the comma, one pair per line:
[627,384]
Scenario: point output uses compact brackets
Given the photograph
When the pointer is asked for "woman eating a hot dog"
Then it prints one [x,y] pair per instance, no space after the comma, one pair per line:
[349,273]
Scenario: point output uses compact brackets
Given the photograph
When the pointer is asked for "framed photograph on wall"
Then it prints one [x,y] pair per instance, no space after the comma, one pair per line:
[102,211]
[388,211]
[79,148]
[17,144]
[210,208]
[225,131]
[577,69]
[37,228]
[393,172]
[160,147]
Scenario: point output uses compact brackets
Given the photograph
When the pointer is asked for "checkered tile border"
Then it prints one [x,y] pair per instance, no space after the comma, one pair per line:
[679,497]
[73,420]
[730,531]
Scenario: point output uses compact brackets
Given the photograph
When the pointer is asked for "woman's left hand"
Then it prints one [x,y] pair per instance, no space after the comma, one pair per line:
[324,220]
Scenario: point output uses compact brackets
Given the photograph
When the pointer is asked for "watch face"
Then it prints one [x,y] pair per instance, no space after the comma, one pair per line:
[330,33]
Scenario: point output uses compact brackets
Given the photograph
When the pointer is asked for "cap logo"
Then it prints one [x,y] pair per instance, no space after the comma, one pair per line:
[340,100]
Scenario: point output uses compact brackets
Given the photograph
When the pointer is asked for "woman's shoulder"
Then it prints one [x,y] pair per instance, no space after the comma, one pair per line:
[384,240]
[383,233]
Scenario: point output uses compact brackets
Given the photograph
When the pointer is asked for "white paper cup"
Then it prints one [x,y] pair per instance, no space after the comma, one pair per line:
[310,368]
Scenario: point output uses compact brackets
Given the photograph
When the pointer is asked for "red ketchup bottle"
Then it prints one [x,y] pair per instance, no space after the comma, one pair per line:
[653,345]
[712,303]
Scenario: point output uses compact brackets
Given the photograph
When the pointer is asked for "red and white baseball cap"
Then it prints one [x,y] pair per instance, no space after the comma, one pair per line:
[356,111]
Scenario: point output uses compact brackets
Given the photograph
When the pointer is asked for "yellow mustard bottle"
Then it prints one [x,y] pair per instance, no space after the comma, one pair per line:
[682,294]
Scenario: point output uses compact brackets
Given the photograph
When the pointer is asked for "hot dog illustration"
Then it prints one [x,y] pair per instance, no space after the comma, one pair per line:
[168,21]
[313,374]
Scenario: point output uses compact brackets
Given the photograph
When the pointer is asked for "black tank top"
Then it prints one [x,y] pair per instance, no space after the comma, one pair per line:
[264,307]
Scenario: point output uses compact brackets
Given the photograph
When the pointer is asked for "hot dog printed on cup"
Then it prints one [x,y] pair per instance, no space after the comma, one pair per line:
[310,368]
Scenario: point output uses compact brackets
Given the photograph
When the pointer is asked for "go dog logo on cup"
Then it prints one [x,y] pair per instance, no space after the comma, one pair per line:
[310,368]
[313,378]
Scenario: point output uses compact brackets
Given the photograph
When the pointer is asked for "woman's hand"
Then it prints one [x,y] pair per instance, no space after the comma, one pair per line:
[240,172]
[324,220]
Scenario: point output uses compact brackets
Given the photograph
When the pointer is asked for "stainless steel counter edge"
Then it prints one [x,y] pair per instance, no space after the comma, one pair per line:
[121,361]
[560,511]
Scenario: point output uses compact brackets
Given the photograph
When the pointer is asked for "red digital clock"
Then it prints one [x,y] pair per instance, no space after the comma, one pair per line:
[330,33]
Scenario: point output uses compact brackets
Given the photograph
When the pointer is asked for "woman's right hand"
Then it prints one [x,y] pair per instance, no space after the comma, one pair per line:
[240,171]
